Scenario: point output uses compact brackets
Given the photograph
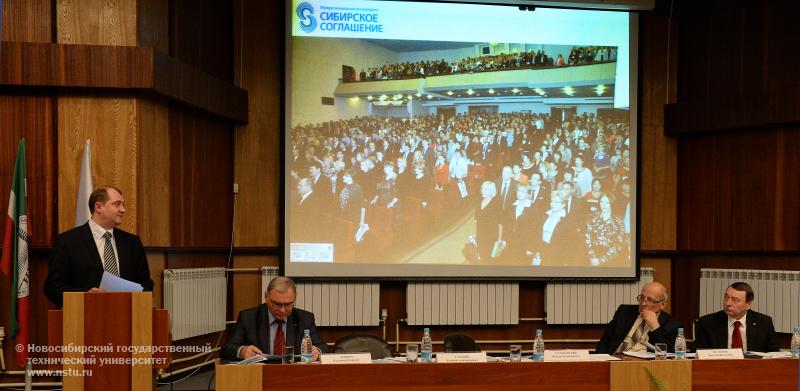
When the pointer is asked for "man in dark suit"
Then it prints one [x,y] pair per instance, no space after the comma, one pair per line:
[268,328]
[306,213]
[632,327]
[736,326]
[506,189]
[81,254]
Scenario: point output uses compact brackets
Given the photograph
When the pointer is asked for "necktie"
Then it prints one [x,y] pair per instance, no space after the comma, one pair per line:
[280,340]
[110,261]
[638,333]
[736,337]
[631,340]
[504,193]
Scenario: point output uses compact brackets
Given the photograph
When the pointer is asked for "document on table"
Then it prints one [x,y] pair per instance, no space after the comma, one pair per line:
[772,354]
[651,355]
[112,283]
[644,355]
[603,357]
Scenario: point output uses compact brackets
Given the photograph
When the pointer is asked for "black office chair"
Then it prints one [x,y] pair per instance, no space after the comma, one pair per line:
[363,343]
[460,343]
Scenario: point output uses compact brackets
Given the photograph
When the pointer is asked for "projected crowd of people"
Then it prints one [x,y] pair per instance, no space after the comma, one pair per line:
[485,63]
[527,189]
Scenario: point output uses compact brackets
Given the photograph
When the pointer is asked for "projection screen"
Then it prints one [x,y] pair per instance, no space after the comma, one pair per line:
[459,140]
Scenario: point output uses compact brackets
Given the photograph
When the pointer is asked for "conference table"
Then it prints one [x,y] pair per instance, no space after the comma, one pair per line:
[764,374]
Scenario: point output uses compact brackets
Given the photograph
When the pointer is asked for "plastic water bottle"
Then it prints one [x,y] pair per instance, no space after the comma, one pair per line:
[680,345]
[306,348]
[427,346]
[796,343]
[538,347]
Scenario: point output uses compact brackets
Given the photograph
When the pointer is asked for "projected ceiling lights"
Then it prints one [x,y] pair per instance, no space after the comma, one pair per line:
[430,96]
[382,97]
[410,97]
[568,90]
[600,89]
[419,94]
[491,90]
[470,91]
[369,97]
[450,93]
[539,91]
[515,90]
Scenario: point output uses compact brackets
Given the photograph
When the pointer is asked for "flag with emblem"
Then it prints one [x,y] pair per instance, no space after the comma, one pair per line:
[14,261]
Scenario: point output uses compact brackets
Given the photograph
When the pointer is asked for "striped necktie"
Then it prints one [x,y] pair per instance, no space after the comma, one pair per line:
[109,260]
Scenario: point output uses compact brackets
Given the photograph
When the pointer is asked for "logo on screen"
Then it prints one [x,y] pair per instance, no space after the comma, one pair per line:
[305,12]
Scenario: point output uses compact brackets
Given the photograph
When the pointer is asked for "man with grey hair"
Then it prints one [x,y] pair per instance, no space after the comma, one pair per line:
[634,327]
[272,326]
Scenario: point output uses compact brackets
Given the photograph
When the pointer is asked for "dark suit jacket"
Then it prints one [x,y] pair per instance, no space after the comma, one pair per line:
[623,321]
[75,264]
[252,329]
[305,219]
[511,193]
[712,332]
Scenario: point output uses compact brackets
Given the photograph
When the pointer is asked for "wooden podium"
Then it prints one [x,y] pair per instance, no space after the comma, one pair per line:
[109,341]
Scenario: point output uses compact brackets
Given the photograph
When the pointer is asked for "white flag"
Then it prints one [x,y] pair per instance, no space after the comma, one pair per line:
[85,187]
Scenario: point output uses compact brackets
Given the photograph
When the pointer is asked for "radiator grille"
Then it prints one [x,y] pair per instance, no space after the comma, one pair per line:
[195,299]
[457,303]
[589,302]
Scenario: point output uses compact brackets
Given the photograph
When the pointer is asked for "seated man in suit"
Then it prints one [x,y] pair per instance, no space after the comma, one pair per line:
[736,326]
[268,328]
[633,327]
[81,254]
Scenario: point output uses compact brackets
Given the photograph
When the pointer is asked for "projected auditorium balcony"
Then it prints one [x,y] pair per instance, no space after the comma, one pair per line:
[602,74]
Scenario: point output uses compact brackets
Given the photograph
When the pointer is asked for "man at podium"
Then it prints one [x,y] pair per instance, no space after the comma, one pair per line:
[82,254]
[270,327]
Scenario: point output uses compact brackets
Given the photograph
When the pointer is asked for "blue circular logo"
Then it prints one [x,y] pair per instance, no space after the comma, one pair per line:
[305,12]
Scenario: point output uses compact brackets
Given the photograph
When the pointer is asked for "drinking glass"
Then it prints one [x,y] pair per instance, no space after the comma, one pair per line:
[411,352]
[288,355]
[515,353]
[661,351]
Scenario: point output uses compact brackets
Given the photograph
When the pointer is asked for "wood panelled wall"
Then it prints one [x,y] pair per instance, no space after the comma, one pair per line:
[718,164]
[738,130]
[173,161]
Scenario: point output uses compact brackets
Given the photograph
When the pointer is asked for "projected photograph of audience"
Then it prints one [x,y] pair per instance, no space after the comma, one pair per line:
[461,153]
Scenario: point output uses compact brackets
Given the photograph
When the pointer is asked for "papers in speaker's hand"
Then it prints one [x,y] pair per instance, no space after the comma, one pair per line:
[112,283]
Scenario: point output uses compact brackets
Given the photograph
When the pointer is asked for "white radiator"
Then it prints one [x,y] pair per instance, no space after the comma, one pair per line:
[462,303]
[195,299]
[267,274]
[777,293]
[589,302]
[347,303]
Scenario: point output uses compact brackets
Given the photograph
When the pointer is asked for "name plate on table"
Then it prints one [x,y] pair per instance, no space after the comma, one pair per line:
[720,354]
[460,357]
[566,355]
[346,358]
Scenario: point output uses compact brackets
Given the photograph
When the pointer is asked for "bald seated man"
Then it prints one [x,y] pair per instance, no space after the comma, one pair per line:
[635,326]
